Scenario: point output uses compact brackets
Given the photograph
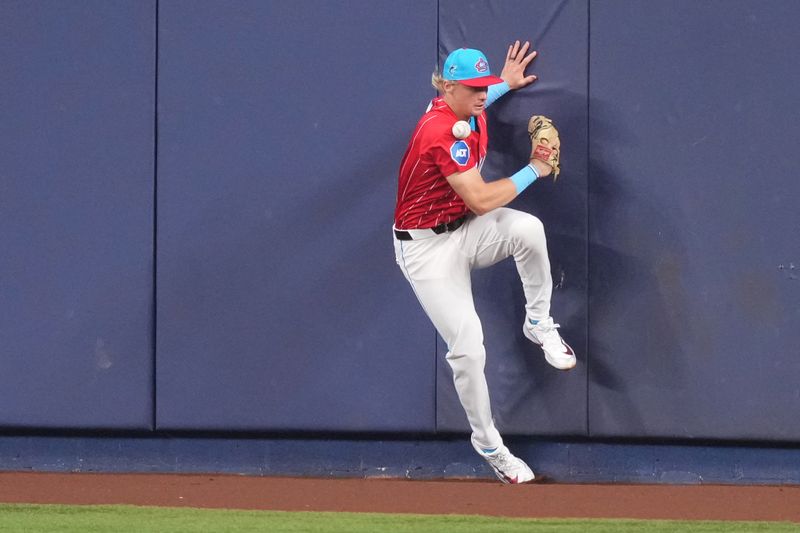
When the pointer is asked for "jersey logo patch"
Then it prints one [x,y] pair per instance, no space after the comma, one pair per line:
[460,152]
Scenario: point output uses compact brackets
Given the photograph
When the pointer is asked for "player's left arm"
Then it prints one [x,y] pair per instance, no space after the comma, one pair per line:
[481,196]
[513,74]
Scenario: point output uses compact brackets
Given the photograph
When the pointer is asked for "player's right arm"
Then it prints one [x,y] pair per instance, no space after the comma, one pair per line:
[482,197]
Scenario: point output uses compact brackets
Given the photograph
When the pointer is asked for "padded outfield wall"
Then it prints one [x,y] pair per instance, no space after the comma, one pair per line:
[196,202]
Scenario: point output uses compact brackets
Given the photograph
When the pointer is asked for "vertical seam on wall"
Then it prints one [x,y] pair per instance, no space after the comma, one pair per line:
[155,220]
[435,339]
[588,198]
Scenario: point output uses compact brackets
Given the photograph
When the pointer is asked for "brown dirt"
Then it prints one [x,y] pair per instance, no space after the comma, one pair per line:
[708,502]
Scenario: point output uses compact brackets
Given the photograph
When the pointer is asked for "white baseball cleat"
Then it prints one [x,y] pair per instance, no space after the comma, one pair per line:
[507,467]
[557,352]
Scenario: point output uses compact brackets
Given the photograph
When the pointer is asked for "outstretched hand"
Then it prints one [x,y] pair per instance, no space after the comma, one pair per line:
[516,63]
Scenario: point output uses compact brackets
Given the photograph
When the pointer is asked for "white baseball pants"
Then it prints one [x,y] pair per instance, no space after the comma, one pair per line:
[438,269]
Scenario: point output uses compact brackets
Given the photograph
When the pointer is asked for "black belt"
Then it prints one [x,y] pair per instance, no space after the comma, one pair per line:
[441,228]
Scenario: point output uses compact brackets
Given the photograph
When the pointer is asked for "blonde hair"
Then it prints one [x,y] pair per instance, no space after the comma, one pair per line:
[437,80]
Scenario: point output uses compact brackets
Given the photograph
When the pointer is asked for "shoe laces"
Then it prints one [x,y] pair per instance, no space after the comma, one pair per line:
[545,330]
[504,460]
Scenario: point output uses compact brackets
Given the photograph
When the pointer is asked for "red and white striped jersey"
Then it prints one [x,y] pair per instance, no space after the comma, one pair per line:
[424,197]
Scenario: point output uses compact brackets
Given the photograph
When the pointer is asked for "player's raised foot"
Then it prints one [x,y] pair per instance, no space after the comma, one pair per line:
[557,352]
[507,467]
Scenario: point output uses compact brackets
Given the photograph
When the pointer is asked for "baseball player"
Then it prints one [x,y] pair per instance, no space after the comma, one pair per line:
[448,221]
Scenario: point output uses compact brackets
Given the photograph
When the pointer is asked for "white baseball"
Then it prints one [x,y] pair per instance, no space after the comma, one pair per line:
[461,129]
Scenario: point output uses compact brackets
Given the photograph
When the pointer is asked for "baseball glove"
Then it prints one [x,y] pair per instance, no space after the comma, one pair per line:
[545,143]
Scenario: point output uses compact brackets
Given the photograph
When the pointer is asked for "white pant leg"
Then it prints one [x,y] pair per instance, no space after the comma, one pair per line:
[507,232]
[439,273]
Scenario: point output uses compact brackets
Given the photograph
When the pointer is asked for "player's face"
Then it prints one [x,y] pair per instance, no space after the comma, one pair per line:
[468,101]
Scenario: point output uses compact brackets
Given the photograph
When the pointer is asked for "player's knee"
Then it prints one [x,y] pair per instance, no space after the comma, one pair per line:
[529,231]
[468,351]
[467,361]
[465,348]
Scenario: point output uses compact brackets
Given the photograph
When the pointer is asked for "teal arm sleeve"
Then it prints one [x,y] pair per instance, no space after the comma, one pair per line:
[496,91]
[524,177]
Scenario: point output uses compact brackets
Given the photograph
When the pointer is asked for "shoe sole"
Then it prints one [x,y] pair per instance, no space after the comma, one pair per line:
[552,362]
[511,481]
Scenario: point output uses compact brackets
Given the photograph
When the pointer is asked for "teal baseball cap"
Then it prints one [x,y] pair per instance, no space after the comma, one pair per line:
[470,67]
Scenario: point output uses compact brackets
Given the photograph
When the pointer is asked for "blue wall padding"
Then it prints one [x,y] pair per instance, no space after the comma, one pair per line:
[529,396]
[563,461]
[672,231]
[695,322]
[281,128]
[76,212]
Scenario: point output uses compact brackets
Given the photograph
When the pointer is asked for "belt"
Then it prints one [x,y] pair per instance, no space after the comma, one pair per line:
[416,234]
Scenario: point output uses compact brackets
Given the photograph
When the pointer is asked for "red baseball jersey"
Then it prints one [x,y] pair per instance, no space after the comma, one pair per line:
[424,197]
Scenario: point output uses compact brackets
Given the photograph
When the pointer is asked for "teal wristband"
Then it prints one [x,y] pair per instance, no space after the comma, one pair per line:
[524,177]
[496,91]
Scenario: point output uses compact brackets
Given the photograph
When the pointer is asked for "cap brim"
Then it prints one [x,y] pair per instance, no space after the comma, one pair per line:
[485,81]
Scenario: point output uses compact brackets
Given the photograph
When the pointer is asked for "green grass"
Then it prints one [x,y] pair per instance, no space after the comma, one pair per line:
[128,518]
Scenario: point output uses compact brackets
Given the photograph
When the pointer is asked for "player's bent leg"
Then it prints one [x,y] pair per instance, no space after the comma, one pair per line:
[507,232]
